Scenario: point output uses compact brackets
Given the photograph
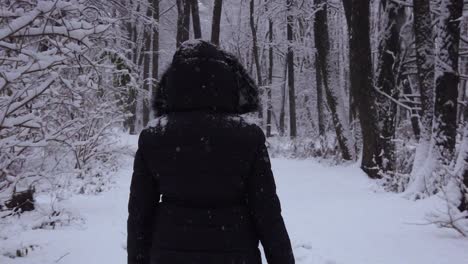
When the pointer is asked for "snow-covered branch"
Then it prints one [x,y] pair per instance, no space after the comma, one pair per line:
[57,90]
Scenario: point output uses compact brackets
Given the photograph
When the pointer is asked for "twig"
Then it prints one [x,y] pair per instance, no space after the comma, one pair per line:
[66,254]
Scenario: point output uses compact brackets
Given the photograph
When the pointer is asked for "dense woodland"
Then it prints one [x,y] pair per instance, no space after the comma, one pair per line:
[378,82]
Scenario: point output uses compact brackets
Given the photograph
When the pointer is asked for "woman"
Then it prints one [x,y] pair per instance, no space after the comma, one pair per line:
[202,190]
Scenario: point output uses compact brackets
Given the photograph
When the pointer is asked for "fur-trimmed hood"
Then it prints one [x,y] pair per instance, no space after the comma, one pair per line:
[204,77]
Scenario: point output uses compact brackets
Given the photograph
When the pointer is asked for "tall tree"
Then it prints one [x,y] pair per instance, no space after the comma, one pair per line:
[270,77]
[132,28]
[146,67]
[290,63]
[183,21]
[333,95]
[386,81]
[408,90]
[216,23]
[361,85]
[347,10]
[282,125]
[195,19]
[155,62]
[320,103]
[444,128]
[256,58]
[447,78]
[462,163]
[424,46]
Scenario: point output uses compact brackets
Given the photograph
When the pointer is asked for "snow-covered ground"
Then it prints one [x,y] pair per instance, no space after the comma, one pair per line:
[334,215]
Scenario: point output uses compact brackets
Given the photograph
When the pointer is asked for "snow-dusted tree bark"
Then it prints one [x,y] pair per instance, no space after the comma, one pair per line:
[155,44]
[255,54]
[436,170]
[270,77]
[447,78]
[362,87]
[197,33]
[143,24]
[150,57]
[353,111]
[146,67]
[282,125]
[183,21]
[290,63]
[462,91]
[407,89]
[386,83]
[347,6]
[131,103]
[216,23]
[320,98]
[333,95]
[461,172]
[424,45]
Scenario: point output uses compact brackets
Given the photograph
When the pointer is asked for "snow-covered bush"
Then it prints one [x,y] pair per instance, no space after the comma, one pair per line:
[59,97]
[306,147]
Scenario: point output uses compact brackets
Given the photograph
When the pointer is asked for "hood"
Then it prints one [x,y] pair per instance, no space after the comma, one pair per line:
[204,77]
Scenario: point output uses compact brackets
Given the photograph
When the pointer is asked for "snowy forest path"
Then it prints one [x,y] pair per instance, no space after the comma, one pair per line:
[334,215]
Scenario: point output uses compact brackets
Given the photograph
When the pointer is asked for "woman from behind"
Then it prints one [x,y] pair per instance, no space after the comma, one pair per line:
[202,190]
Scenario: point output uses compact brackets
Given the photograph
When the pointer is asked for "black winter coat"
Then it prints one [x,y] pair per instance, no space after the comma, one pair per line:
[203,192]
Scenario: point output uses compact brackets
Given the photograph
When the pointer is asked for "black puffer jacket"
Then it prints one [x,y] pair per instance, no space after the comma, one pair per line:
[202,190]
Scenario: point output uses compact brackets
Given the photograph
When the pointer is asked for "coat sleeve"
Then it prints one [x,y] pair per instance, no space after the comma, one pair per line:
[144,196]
[265,208]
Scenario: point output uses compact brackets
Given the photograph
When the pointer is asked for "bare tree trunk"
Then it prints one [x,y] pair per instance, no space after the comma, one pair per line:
[407,89]
[347,10]
[146,66]
[388,63]
[256,58]
[424,45]
[461,96]
[353,111]
[434,173]
[155,63]
[283,99]
[320,103]
[333,96]
[270,77]
[447,78]
[361,85]
[308,112]
[290,59]
[183,21]
[129,120]
[197,34]
[133,93]
[463,206]
[215,26]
